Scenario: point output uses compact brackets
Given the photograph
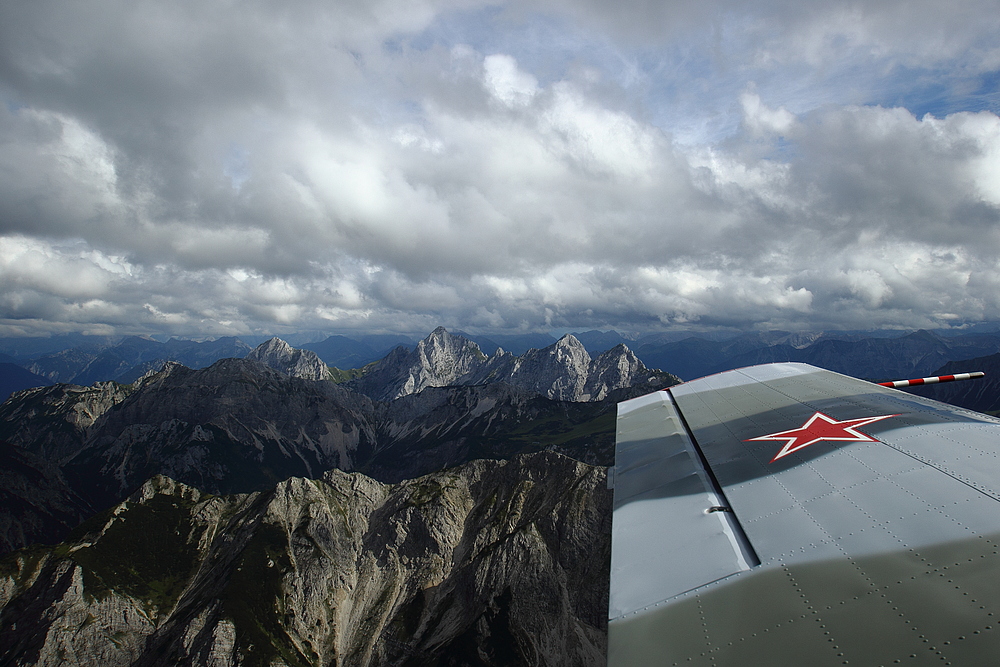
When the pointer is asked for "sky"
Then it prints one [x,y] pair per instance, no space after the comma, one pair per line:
[227,167]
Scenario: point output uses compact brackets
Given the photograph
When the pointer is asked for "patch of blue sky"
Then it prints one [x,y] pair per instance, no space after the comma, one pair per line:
[475,27]
[690,85]
[543,45]
[940,92]
[9,97]
[699,102]
[236,165]
[661,85]
[696,97]
[708,110]
[393,112]
[989,92]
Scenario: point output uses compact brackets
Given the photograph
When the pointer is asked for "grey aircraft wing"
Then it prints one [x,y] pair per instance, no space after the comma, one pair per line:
[787,515]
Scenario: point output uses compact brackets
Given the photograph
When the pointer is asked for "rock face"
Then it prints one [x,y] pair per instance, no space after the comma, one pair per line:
[39,429]
[445,426]
[440,360]
[559,371]
[284,358]
[52,422]
[618,368]
[486,564]
[239,426]
[563,371]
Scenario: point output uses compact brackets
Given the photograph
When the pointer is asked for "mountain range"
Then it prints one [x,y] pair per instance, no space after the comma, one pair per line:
[561,371]
[130,358]
[915,354]
[424,512]
[242,425]
[441,504]
[877,354]
[98,359]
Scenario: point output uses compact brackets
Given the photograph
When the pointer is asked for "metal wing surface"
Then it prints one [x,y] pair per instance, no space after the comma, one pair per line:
[787,515]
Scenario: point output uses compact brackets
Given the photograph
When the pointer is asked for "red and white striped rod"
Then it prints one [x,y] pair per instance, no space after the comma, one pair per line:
[933,380]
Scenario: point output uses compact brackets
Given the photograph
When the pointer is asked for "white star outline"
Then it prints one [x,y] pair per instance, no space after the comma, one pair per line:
[848,427]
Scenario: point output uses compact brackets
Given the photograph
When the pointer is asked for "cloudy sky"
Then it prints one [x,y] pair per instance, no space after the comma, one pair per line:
[226,166]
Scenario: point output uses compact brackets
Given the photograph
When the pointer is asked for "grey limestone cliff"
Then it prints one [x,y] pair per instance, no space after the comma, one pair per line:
[440,360]
[559,371]
[565,371]
[490,563]
[562,371]
[282,357]
[619,368]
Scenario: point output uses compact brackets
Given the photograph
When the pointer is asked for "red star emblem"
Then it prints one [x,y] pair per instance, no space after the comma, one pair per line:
[821,427]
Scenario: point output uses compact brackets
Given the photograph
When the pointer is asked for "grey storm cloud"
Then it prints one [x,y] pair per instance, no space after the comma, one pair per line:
[216,167]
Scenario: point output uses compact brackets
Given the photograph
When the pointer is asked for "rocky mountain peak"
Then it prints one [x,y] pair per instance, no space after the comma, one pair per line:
[447,356]
[286,359]
[617,368]
[562,371]
[570,348]
[558,371]
[441,342]
[153,374]
[275,346]
[440,360]
[569,341]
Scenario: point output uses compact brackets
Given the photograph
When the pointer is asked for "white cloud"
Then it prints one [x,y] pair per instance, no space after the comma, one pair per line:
[507,83]
[70,272]
[187,169]
[761,120]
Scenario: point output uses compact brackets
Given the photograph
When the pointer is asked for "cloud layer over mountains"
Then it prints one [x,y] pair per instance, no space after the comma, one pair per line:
[219,167]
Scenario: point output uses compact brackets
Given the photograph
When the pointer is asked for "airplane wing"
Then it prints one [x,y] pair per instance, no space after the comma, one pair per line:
[787,515]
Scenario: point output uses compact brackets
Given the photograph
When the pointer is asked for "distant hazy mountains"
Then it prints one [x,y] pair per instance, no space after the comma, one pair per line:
[344,352]
[866,355]
[15,378]
[914,355]
[982,395]
[129,359]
